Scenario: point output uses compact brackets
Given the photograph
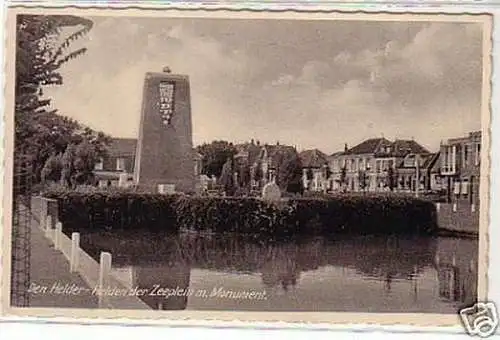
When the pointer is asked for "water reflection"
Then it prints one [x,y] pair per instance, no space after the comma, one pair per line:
[355,273]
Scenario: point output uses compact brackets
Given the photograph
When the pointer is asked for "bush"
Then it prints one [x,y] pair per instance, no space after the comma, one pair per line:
[364,214]
[100,210]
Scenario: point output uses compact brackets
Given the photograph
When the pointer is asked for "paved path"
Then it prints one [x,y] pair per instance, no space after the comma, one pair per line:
[49,267]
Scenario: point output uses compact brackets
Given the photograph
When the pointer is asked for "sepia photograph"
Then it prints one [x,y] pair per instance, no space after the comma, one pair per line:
[334,163]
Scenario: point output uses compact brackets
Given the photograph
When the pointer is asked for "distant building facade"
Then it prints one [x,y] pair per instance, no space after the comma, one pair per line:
[460,167]
[315,170]
[120,159]
[379,164]
[262,161]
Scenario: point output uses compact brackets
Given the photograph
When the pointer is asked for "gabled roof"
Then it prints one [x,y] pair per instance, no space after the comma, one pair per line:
[431,160]
[402,147]
[122,147]
[313,158]
[368,146]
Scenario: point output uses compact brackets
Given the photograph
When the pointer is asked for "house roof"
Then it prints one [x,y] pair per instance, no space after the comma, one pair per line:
[313,158]
[431,160]
[427,161]
[403,147]
[274,152]
[248,150]
[122,147]
[338,153]
[368,146]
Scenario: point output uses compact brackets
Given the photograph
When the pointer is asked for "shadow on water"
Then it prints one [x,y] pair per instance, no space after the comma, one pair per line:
[348,273]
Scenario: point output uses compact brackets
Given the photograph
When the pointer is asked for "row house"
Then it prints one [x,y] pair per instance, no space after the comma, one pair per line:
[120,159]
[378,164]
[460,167]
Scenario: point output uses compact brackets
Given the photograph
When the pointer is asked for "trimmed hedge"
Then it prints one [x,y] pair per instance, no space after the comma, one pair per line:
[367,214]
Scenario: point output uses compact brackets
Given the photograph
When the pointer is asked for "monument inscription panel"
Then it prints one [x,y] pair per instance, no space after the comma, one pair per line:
[164,153]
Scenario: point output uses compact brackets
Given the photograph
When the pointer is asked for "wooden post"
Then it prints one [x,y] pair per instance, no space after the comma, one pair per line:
[438,206]
[75,252]
[48,227]
[57,236]
[472,207]
[104,269]
[454,207]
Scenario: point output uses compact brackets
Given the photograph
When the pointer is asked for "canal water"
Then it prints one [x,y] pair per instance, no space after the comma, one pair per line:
[344,274]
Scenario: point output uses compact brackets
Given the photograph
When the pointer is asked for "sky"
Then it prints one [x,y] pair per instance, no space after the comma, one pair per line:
[312,84]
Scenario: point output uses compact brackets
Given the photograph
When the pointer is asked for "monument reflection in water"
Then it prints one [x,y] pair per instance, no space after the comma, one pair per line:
[357,273]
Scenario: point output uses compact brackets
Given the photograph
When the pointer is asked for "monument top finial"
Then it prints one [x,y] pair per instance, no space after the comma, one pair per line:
[167,69]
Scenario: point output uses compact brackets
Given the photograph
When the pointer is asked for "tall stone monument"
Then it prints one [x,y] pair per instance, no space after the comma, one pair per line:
[164,153]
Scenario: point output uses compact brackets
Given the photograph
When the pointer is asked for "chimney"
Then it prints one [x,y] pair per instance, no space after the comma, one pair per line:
[345,147]
[258,142]
[252,142]
[277,142]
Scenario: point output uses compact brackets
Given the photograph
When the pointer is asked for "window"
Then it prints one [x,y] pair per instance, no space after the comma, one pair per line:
[477,154]
[363,164]
[465,187]
[449,159]
[120,164]
[456,189]
[99,165]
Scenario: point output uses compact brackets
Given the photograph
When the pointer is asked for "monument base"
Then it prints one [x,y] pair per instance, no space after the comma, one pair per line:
[181,186]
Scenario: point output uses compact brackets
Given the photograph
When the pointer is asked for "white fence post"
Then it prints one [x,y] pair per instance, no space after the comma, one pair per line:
[104,269]
[438,206]
[43,212]
[454,207]
[473,207]
[75,252]
[48,227]
[57,236]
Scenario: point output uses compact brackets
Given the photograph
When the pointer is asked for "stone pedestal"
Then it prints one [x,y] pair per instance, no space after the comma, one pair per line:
[164,153]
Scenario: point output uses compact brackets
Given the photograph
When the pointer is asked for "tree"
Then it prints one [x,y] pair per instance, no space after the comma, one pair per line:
[77,164]
[215,156]
[41,51]
[52,169]
[289,172]
[227,177]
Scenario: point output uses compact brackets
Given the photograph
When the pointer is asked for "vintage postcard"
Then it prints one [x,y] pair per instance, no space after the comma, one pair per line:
[255,166]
